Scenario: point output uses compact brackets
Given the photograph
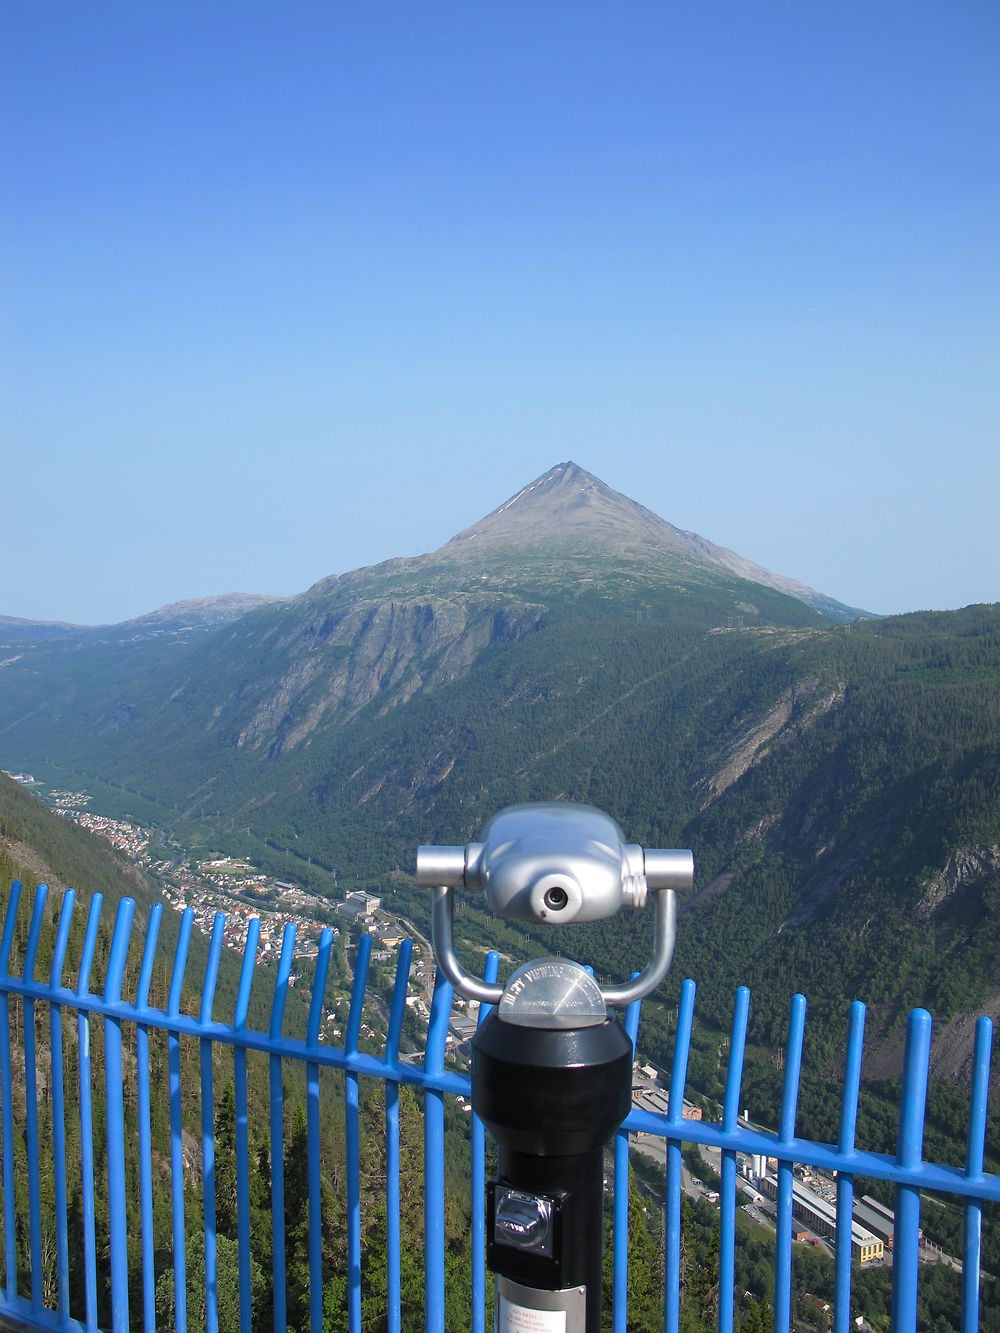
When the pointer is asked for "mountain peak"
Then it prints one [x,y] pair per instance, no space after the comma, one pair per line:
[570,509]
[568,506]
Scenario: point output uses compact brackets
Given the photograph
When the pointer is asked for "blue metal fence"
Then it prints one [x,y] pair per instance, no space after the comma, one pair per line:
[23,1300]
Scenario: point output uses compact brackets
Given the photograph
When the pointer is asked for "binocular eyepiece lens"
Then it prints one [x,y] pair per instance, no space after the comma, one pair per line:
[556,898]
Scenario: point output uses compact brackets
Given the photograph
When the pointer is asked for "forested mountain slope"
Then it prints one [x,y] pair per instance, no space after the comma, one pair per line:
[37,846]
[836,779]
[282,674]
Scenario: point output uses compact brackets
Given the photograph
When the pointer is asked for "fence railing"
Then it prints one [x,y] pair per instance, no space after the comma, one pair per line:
[127,1025]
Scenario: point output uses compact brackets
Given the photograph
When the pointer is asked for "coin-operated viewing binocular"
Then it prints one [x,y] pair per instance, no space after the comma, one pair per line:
[551,1068]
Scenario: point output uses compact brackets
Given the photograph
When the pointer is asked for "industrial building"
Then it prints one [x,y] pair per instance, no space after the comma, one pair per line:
[359,906]
[878,1218]
[821,1217]
[653,1098]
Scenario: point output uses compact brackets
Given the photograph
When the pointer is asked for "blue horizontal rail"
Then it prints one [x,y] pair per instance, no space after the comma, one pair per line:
[30,1297]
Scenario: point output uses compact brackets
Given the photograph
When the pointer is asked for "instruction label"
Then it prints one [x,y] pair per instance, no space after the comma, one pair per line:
[521,1319]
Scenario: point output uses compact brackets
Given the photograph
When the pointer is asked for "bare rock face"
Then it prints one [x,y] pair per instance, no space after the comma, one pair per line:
[953,1050]
[341,660]
[568,507]
[964,869]
[791,715]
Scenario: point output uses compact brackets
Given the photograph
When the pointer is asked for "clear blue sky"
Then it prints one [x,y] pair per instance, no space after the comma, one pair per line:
[290,288]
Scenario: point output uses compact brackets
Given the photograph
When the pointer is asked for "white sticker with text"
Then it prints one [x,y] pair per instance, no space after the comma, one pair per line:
[521,1319]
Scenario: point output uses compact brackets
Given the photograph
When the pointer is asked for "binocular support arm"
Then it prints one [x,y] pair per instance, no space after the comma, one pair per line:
[664,935]
[442,935]
[443,940]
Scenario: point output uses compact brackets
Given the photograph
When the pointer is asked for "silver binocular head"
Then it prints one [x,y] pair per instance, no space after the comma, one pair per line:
[555,862]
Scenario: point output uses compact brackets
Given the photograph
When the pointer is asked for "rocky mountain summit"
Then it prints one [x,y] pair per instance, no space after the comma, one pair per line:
[568,508]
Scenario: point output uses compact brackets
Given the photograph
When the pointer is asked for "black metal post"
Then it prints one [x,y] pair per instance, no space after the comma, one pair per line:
[551,1098]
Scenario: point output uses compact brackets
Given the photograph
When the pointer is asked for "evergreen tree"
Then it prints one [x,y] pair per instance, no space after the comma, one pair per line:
[297,1223]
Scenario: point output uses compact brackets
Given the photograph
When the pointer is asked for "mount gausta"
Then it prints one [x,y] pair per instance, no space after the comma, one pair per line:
[836,775]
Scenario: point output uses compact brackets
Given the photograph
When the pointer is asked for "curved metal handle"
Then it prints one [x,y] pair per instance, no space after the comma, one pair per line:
[443,940]
[664,936]
[473,988]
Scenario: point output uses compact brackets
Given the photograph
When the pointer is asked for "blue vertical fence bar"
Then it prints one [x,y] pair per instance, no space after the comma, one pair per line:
[7,1096]
[87,1118]
[845,1181]
[478,1183]
[117,1220]
[145,1135]
[974,1144]
[242,1123]
[906,1243]
[619,1309]
[727,1192]
[278,1130]
[31,1101]
[786,1132]
[176,1141]
[208,1126]
[437,1033]
[352,1137]
[393,1248]
[312,1134]
[58,1107]
[675,1161]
